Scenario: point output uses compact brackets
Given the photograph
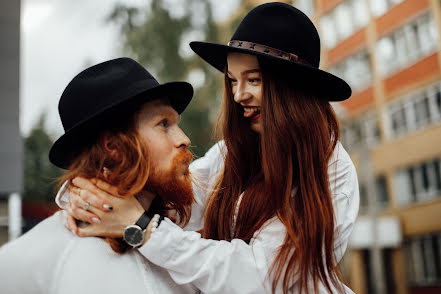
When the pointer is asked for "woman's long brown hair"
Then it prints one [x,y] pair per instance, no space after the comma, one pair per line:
[300,132]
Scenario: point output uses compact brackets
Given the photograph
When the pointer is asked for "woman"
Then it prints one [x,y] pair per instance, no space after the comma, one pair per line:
[283,193]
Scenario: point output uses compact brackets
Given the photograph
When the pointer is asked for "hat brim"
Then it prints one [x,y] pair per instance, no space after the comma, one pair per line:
[323,83]
[74,140]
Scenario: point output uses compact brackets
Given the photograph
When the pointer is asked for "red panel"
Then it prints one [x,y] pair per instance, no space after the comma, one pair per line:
[414,74]
[359,100]
[347,47]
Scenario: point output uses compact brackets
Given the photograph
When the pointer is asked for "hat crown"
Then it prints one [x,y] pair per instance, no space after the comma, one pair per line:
[99,87]
[284,27]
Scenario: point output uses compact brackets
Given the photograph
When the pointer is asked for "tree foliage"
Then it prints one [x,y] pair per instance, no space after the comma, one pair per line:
[158,38]
[39,174]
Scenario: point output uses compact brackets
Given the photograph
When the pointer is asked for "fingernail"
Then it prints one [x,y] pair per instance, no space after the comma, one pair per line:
[107,206]
[73,231]
[96,220]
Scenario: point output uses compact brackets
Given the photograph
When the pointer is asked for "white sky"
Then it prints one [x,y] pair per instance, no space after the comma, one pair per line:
[58,39]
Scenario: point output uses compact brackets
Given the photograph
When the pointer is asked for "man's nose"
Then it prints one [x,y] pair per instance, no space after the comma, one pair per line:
[181,139]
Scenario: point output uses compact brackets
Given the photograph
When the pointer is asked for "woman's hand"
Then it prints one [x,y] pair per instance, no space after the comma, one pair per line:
[107,212]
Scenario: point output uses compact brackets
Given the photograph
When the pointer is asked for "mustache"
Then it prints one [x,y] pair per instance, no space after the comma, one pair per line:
[183,157]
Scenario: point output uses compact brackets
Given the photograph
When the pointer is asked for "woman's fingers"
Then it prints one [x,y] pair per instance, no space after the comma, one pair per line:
[89,193]
[71,224]
[83,215]
[106,187]
[81,197]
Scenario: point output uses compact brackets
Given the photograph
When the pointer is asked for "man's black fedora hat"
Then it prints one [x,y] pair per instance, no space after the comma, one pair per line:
[97,96]
[286,36]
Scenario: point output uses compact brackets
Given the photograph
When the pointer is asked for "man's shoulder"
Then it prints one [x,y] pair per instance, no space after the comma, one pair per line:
[34,256]
[49,237]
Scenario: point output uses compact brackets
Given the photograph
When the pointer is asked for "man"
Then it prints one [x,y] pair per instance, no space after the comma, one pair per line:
[121,127]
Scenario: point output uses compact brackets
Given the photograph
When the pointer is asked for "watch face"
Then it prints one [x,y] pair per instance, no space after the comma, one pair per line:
[133,235]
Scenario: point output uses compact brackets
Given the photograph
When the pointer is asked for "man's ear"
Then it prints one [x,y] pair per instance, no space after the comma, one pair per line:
[108,143]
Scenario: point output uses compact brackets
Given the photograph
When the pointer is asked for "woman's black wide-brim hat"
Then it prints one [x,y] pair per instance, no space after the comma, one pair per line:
[283,34]
[104,93]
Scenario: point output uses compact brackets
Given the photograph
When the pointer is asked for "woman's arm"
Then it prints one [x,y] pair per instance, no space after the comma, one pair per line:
[215,266]
[204,171]
[237,267]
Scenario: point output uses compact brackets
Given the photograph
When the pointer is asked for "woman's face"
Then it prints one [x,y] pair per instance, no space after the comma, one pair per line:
[246,84]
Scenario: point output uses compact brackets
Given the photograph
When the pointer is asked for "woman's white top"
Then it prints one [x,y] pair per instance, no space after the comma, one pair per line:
[237,267]
[51,260]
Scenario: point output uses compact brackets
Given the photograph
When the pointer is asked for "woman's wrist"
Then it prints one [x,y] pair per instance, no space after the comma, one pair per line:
[152,227]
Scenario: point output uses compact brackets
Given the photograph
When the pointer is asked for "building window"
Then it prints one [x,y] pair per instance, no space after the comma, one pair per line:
[364,203]
[380,197]
[423,262]
[386,53]
[418,183]
[361,132]
[355,70]
[398,119]
[414,112]
[368,269]
[381,191]
[380,7]
[407,44]
[359,10]
[343,21]
[306,6]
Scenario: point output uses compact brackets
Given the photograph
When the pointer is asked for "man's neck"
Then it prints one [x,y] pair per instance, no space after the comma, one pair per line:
[145,198]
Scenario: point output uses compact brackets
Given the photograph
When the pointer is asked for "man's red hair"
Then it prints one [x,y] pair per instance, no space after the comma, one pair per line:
[129,167]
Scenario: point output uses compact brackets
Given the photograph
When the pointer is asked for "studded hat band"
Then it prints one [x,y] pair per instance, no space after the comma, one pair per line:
[267,50]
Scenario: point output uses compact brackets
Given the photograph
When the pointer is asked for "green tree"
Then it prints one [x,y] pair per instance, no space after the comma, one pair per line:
[157,41]
[39,174]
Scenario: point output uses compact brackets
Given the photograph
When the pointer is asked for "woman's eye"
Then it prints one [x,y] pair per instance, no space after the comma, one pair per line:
[232,81]
[254,81]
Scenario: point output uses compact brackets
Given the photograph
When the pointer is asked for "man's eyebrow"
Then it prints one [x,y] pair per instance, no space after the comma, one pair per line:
[254,70]
[166,113]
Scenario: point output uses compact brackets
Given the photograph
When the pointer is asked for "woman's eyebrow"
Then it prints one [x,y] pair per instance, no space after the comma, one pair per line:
[254,70]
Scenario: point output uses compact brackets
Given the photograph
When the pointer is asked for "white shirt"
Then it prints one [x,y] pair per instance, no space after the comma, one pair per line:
[50,259]
[237,267]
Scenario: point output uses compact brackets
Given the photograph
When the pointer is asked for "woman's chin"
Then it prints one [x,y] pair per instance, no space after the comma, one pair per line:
[256,127]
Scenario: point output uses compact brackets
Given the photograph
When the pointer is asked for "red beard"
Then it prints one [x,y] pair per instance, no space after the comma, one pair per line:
[174,185]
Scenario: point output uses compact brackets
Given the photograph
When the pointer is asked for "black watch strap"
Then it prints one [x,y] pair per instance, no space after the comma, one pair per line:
[145,219]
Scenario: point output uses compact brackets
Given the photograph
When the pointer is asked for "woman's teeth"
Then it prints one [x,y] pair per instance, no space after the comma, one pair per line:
[251,111]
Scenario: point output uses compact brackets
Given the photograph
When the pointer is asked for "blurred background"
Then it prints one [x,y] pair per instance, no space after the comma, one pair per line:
[387,50]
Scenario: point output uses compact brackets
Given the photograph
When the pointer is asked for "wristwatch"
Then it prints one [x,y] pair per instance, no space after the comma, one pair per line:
[134,234]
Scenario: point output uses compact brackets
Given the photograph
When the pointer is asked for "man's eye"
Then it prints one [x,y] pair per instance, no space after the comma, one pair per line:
[163,123]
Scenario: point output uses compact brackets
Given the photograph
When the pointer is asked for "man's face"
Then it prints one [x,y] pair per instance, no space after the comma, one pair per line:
[167,146]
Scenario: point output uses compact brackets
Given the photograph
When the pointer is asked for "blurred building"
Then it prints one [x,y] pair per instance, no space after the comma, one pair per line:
[11,147]
[389,52]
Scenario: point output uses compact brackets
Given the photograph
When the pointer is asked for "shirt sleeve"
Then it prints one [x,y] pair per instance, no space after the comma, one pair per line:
[204,171]
[62,198]
[212,266]
[237,267]
[345,198]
